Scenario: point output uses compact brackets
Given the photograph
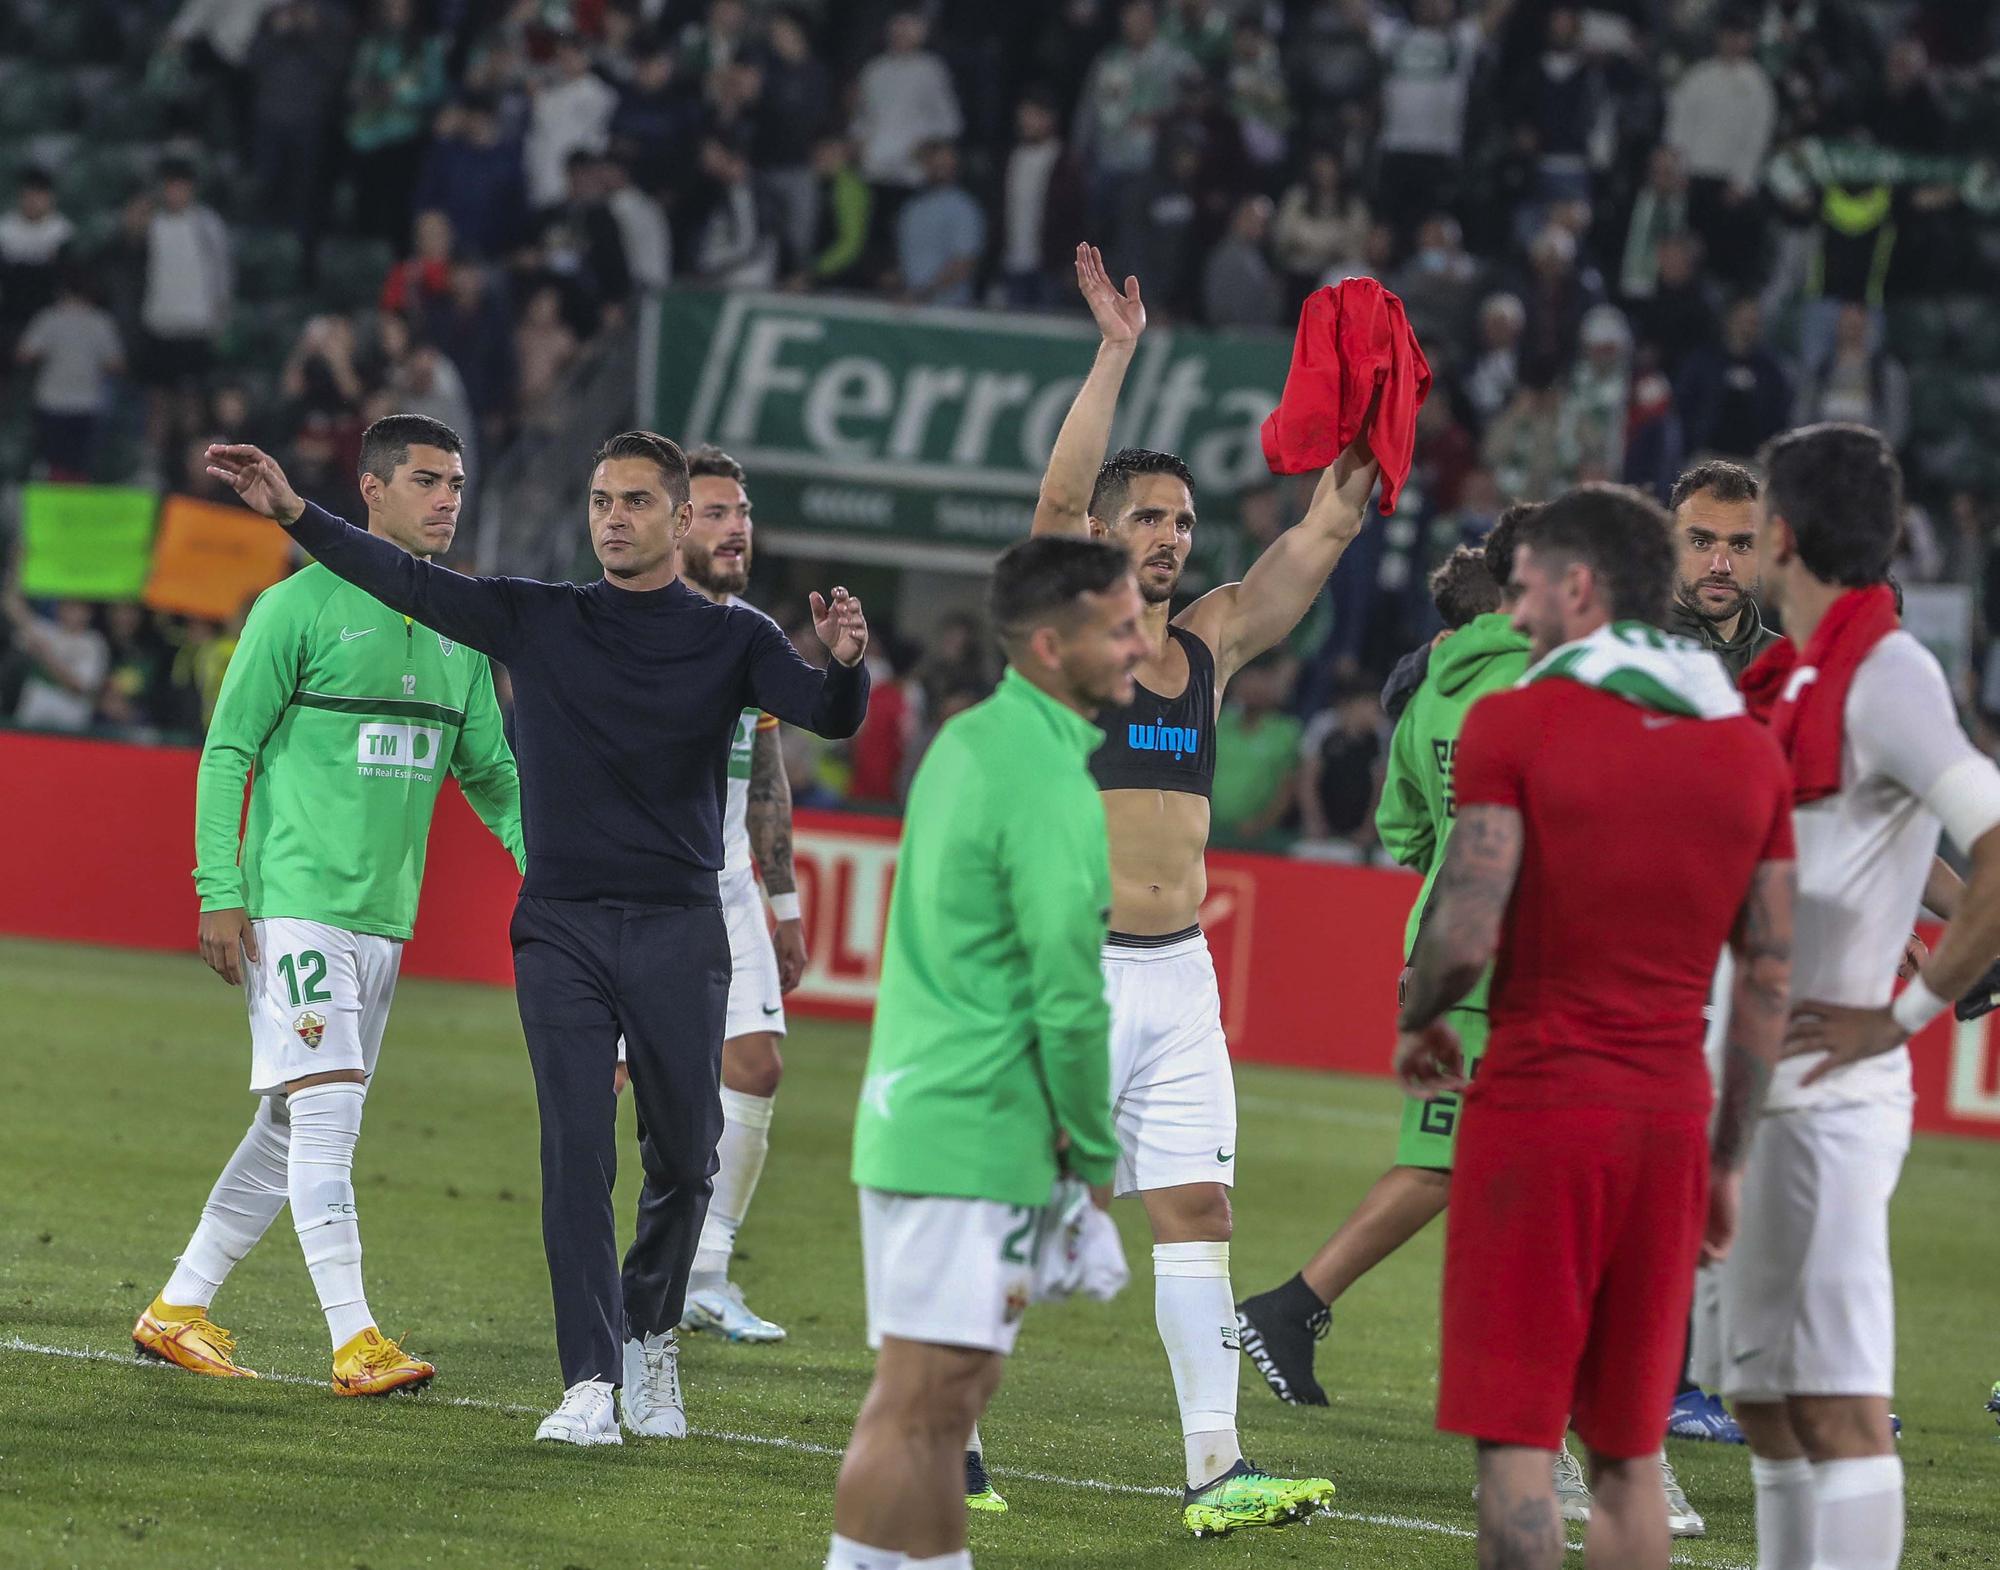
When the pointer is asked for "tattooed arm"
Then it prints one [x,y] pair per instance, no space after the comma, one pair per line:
[768,818]
[1461,934]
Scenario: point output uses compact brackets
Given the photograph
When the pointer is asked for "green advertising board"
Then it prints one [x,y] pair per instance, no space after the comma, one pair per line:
[86,542]
[926,431]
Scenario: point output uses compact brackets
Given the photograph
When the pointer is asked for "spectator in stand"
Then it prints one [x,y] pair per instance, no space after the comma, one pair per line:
[1322,226]
[1161,227]
[1429,61]
[1341,764]
[1200,29]
[718,43]
[297,69]
[580,244]
[1857,382]
[321,373]
[1659,213]
[75,350]
[473,173]
[571,113]
[1254,82]
[69,658]
[738,244]
[842,257]
[1734,396]
[657,119]
[1561,107]
[1599,397]
[129,700]
[1041,206]
[903,100]
[1558,294]
[1525,446]
[1255,791]
[394,88]
[190,278]
[471,327]
[642,226]
[423,278]
[1439,287]
[940,235]
[791,111]
[1127,99]
[879,753]
[544,349]
[33,237]
[1332,49]
[1239,287]
[1496,364]
[1680,315]
[1721,117]
[956,659]
[213,39]
[1655,446]
[428,383]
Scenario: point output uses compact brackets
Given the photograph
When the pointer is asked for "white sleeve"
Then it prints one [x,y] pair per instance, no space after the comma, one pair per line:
[1903,726]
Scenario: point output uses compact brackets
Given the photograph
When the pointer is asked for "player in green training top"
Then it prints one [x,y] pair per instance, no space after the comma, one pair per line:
[343,717]
[1482,653]
[989,1065]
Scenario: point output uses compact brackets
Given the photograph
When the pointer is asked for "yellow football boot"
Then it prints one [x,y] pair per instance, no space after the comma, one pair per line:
[373,1365]
[188,1338]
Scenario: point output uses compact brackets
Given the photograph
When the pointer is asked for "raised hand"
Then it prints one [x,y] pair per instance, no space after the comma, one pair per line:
[841,626]
[255,476]
[1120,317]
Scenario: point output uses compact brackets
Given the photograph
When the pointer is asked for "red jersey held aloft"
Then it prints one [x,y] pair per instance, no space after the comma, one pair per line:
[1641,833]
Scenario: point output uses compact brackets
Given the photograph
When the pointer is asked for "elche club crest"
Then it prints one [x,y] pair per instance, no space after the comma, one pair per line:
[445,643]
[310,1027]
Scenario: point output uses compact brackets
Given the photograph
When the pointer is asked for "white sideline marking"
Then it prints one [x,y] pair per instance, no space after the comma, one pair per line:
[799,1446]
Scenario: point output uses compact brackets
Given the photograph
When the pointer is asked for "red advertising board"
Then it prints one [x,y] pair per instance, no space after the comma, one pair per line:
[97,847]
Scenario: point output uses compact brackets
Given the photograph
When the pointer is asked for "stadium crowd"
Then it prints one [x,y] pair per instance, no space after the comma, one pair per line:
[1628,233]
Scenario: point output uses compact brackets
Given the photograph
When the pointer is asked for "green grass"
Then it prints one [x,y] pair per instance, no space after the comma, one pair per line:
[121,1094]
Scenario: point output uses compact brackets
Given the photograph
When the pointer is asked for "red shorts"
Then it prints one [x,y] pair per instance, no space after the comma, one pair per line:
[1569,1267]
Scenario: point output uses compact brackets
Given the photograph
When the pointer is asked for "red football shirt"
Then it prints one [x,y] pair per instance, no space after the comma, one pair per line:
[1641,832]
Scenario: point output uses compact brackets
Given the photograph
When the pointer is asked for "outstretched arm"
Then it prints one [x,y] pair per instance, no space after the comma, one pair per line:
[1241,620]
[1063,507]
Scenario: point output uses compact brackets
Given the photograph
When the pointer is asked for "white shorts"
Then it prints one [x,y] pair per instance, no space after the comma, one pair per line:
[1173,1097]
[949,1272]
[1808,1303]
[318,998]
[755,1001]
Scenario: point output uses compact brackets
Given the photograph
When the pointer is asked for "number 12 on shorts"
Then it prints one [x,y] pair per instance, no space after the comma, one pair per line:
[305,976]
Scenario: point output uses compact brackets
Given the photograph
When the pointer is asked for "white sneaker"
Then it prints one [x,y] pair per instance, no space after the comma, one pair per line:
[1572,1492]
[652,1401]
[1683,1520]
[584,1418]
[722,1309]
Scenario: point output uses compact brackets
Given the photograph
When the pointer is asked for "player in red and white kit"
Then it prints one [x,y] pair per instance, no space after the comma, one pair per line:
[1619,819]
[1879,763]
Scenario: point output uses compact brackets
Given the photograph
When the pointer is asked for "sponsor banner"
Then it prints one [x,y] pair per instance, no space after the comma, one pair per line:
[870,421]
[212,561]
[1306,953]
[85,542]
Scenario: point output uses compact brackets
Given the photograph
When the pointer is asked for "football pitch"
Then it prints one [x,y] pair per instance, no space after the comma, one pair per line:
[121,1093]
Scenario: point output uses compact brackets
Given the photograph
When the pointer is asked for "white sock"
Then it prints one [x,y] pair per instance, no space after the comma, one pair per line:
[1785,1512]
[746,1140]
[326,1121]
[962,1560]
[846,1554]
[1196,1313]
[1859,1505]
[973,1443]
[245,1201]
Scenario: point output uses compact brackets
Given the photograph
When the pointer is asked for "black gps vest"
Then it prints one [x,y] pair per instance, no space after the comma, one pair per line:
[1156,743]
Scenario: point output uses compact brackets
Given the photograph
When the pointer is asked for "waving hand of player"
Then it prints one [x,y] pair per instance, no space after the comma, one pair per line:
[255,476]
[841,626]
[1120,315]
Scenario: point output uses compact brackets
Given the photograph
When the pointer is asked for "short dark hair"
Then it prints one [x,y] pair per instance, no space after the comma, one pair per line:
[1115,477]
[385,445]
[37,179]
[1041,579]
[1502,538]
[1462,588]
[1725,481]
[1840,489]
[175,168]
[656,449]
[709,461]
[1621,535]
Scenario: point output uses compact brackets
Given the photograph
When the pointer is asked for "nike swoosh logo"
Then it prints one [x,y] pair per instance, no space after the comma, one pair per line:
[772,1008]
[1219,1156]
[349,637]
[1744,1357]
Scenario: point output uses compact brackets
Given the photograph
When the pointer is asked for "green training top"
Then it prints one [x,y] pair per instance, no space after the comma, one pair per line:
[992,1033]
[1416,813]
[344,716]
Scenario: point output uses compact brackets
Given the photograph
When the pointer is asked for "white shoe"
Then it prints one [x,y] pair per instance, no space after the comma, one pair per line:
[1683,1520]
[1572,1492]
[584,1418]
[722,1309]
[652,1401]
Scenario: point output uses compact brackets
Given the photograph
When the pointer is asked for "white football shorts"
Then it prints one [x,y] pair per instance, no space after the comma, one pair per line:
[755,1001]
[1173,1097]
[318,998]
[947,1271]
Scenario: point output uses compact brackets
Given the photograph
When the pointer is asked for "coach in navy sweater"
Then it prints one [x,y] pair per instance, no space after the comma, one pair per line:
[627,694]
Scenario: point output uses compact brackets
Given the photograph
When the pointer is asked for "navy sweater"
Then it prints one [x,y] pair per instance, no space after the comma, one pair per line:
[625,705]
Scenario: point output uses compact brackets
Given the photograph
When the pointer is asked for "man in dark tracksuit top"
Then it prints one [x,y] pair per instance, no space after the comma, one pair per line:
[627,694]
